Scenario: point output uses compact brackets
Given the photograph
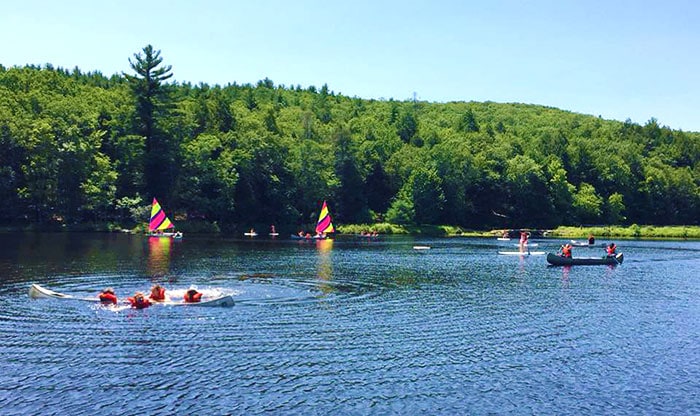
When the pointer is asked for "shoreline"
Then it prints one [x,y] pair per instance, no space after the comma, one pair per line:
[633,231]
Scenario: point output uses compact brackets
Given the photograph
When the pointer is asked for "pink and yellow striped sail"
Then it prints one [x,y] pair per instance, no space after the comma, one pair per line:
[159,221]
[324,225]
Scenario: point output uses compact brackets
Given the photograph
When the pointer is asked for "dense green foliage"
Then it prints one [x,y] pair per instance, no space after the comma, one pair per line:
[79,147]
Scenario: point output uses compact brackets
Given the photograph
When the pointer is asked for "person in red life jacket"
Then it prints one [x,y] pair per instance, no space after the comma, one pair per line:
[157,293]
[192,296]
[566,250]
[139,301]
[611,249]
[107,296]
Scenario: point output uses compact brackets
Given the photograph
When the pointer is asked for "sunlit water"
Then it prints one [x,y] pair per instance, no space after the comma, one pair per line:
[348,327]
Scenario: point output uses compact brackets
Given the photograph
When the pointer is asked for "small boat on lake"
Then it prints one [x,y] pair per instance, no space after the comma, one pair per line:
[160,223]
[521,253]
[325,223]
[557,260]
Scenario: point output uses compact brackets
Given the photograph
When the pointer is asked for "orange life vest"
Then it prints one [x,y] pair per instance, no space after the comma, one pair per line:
[139,302]
[192,296]
[611,249]
[566,251]
[106,297]
[158,294]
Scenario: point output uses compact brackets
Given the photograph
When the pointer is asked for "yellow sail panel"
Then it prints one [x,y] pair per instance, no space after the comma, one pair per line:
[159,221]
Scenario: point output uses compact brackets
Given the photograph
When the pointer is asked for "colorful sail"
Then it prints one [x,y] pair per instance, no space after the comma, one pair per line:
[324,225]
[159,221]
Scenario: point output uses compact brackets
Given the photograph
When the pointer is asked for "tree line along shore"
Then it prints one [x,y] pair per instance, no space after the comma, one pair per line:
[79,149]
[385,229]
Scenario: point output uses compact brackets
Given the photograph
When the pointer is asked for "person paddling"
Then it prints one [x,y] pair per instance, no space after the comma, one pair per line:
[108,297]
[566,250]
[611,250]
[523,241]
[139,301]
[192,296]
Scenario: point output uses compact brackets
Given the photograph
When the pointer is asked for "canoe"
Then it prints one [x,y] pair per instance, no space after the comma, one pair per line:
[223,301]
[585,244]
[558,260]
[39,292]
[521,253]
[313,237]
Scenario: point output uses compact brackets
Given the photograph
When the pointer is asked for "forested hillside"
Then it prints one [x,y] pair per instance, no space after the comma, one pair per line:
[81,147]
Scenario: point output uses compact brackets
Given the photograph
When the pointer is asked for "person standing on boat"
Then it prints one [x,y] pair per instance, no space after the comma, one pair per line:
[192,296]
[591,240]
[107,296]
[611,250]
[157,293]
[566,250]
[139,301]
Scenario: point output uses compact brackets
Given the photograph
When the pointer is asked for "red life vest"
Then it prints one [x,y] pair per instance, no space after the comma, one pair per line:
[158,294]
[106,297]
[566,251]
[192,296]
[611,249]
[139,302]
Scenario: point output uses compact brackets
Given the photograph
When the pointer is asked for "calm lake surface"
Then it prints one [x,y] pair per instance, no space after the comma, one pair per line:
[348,327]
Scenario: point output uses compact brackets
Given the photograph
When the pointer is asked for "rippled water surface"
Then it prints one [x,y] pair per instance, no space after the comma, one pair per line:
[348,327]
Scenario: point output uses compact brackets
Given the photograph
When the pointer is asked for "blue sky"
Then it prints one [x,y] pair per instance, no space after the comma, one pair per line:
[617,59]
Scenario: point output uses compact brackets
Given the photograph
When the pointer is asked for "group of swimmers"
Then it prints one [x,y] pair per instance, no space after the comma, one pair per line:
[141,301]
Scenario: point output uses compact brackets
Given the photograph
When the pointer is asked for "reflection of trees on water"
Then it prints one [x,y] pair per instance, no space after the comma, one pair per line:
[159,256]
[324,266]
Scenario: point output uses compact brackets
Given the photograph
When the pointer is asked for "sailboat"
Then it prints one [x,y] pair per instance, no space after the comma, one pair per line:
[160,222]
[325,223]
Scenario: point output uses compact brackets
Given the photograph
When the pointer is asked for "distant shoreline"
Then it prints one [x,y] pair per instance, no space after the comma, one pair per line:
[632,231]
[600,231]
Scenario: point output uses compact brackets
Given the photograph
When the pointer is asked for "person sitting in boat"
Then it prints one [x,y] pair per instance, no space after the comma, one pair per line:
[611,250]
[192,296]
[139,301]
[566,250]
[107,296]
[157,293]
[591,239]
[301,233]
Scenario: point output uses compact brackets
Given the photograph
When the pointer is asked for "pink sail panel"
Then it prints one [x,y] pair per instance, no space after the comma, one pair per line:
[324,225]
[159,221]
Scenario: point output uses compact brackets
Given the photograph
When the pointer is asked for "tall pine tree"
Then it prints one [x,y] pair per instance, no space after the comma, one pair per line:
[152,100]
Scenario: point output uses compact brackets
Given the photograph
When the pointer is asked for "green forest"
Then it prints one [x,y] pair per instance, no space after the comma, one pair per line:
[84,148]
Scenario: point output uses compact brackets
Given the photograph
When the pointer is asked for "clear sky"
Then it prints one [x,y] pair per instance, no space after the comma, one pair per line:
[617,59]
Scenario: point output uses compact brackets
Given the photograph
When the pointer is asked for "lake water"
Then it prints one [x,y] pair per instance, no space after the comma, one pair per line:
[348,327]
